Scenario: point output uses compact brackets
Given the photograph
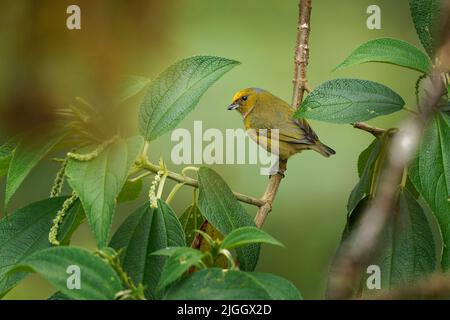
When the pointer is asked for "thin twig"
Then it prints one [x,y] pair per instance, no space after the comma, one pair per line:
[357,250]
[300,86]
[194,183]
[301,53]
[368,128]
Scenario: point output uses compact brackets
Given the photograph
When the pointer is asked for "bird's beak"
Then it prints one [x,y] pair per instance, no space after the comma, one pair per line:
[233,106]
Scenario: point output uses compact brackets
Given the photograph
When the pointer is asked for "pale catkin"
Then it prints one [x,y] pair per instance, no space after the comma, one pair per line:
[93,154]
[59,180]
[152,193]
[53,234]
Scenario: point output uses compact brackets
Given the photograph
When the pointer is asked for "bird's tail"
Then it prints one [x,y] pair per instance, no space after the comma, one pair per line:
[323,149]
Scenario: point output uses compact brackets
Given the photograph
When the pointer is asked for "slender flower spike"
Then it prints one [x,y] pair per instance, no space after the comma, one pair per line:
[94,154]
[59,180]
[52,236]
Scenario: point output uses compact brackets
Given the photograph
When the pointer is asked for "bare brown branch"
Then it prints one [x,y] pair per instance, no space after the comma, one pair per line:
[300,86]
[301,53]
[437,286]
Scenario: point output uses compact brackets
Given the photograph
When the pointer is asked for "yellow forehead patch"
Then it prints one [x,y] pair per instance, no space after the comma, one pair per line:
[241,93]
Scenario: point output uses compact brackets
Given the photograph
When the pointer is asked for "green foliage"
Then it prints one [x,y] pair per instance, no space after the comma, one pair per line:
[349,100]
[366,165]
[6,152]
[191,220]
[430,174]
[144,232]
[26,231]
[99,181]
[130,191]
[407,251]
[426,16]
[26,156]
[179,261]
[218,284]
[177,91]
[247,235]
[220,207]
[182,259]
[98,279]
[389,50]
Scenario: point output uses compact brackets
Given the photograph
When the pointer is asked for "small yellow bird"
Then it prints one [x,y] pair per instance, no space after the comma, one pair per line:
[264,112]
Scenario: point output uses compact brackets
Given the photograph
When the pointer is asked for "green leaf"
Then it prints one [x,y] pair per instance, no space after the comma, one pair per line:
[218,284]
[349,100]
[391,51]
[6,152]
[130,191]
[26,156]
[131,86]
[220,207]
[366,165]
[98,279]
[146,231]
[430,174]
[26,231]
[191,220]
[426,17]
[177,91]
[247,235]
[98,182]
[179,261]
[58,296]
[408,250]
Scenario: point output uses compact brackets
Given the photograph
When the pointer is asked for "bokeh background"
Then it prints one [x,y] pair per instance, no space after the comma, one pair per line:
[43,65]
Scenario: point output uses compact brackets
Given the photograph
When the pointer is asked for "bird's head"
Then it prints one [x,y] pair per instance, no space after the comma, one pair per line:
[245,100]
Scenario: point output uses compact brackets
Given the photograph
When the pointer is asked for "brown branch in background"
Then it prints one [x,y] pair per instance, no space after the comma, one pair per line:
[368,128]
[357,250]
[300,85]
[436,286]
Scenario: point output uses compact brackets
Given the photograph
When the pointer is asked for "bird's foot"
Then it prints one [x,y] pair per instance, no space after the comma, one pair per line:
[278,168]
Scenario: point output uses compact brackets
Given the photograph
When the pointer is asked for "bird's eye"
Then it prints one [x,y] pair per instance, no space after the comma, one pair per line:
[244,98]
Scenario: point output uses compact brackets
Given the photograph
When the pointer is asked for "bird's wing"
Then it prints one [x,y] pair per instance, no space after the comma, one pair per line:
[279,116]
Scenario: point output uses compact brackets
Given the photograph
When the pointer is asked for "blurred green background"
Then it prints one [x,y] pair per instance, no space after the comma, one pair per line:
[44,64]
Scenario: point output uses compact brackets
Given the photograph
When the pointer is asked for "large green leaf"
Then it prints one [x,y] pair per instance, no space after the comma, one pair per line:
[98,182]
[407,250]
[26,231]
[349,100]
[247,235]
[98,280]
[6,151]
[220,207]
[26,156]
[430,174]
[177,91]
[191,220]
[426,17]
[218,284]
[145,231]
[389,50]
